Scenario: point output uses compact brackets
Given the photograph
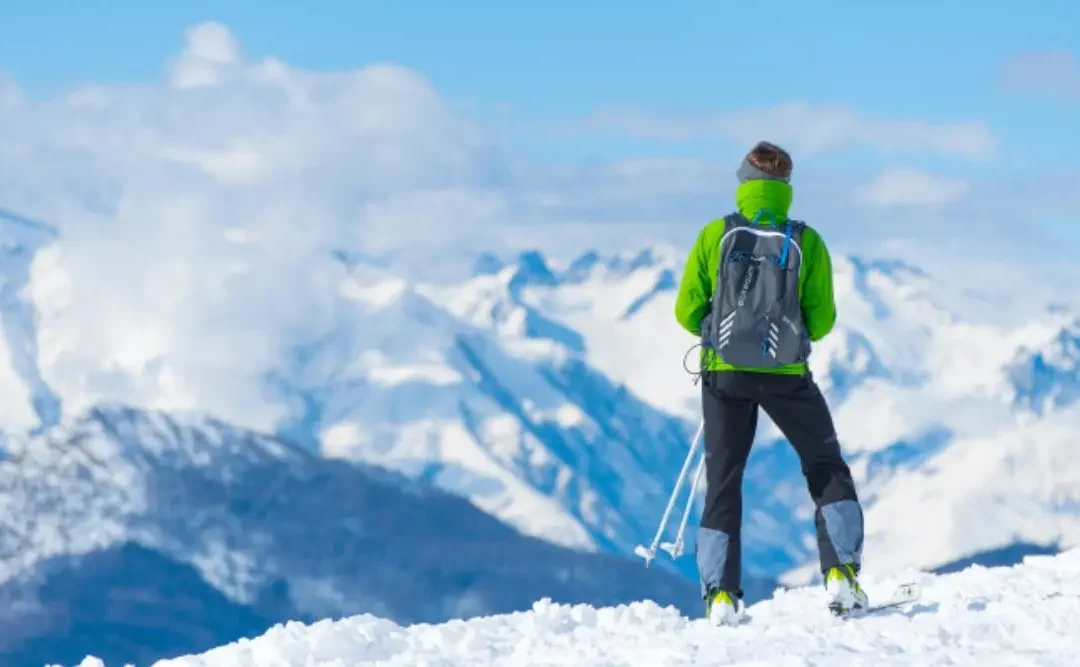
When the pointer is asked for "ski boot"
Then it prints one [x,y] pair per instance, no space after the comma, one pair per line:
[723,608]
[845,594]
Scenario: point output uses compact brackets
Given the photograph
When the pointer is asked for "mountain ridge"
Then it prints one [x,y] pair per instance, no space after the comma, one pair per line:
[552,394]
[257,527]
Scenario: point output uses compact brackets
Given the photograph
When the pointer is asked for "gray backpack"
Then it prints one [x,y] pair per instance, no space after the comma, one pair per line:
[755,319]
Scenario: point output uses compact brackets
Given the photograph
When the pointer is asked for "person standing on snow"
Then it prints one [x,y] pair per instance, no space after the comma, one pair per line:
[757,312]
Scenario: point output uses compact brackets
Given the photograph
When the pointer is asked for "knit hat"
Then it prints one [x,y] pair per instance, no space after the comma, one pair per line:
[765,161]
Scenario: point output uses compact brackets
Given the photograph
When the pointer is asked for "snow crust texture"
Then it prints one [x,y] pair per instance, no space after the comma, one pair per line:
[1022,615]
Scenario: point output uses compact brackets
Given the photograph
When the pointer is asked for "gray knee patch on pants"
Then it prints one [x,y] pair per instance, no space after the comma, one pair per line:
[712,552]
[844,525]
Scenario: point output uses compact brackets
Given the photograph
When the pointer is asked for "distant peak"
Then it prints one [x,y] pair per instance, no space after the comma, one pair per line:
[585,260]
[1058,308]
[352,259]
[646,258]
[487,264]
[1045,376]
[534,260]
[632,261]
[889,266]
[623,262]
[21,227]
[532,269]
[664,283]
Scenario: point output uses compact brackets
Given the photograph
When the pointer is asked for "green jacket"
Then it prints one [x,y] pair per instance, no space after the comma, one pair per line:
[699,275]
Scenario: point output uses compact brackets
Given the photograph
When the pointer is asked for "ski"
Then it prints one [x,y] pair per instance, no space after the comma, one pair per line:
[905,593]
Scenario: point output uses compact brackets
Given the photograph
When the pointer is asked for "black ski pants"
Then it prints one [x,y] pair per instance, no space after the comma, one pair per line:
[730,404]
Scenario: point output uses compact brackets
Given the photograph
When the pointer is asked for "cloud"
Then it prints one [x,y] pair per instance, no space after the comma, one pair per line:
[199,214]
[1051,73]
[806,129]
[211,49]
[911,187]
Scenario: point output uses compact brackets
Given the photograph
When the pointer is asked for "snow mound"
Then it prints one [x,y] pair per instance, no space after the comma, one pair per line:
[1022,615]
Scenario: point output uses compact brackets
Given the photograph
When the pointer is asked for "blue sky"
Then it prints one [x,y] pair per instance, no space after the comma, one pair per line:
[968,98]
[921,59]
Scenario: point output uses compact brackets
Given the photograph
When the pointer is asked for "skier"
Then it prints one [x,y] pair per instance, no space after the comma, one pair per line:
[756,313]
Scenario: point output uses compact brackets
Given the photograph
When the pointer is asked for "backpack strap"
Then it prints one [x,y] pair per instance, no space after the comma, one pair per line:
[787,244]
[792,231]
[734,243]
[733,220]
[792,234]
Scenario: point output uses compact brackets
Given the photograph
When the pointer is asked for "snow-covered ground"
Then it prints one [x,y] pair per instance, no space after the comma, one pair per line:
[1023,615]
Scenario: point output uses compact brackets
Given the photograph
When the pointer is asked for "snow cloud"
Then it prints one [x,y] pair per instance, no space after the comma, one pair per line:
[200,215]
[211,48]
[1051,73]
[807,130]
[230,141]
[911,187]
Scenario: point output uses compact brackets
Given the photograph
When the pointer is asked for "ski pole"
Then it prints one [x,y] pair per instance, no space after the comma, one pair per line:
[676,549]
[650,553]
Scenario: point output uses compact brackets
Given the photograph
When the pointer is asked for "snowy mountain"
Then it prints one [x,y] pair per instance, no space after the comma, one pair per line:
[1045,378]
[496,407]
[552,393]
[1023,615]
[197,533]
[124,603]
[923,380]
